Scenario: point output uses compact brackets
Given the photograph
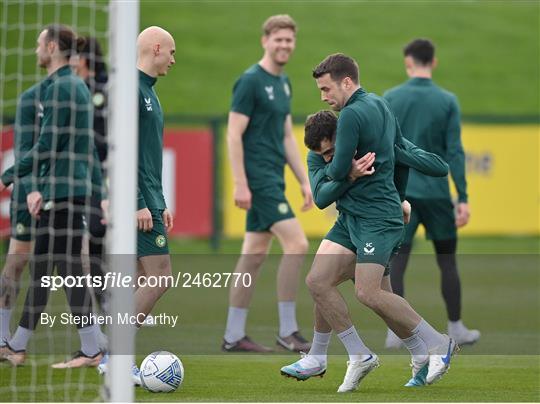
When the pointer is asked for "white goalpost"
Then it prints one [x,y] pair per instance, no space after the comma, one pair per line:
[123,146]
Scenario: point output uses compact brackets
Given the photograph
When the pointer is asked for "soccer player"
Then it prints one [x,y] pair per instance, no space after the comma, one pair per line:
[371,212]
[155,56]
[26,130]
[60,173]
[89,64]
[261,142]
[429,116]
[334,262]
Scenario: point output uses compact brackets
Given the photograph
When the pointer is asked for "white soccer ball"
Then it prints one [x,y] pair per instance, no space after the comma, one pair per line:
[162,372]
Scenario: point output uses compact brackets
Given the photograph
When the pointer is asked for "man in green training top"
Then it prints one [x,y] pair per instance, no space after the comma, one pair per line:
[429,116]
[261,142]
[26,130]
[57,174]
[155,56]
[334,262]
[371,214]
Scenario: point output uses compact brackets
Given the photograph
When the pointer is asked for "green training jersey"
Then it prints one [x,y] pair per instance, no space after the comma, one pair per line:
[26,131]
[366,124]
[64,151]
[150,189]
[266,100]
[429,116]
[408,155]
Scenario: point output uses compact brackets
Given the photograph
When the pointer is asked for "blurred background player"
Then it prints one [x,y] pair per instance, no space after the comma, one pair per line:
[60,169]
[429,116]
[90,65]
[261,142]
[27,126]
[155,56]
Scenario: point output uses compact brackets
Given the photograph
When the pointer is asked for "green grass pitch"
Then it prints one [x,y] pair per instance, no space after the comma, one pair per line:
[500,297]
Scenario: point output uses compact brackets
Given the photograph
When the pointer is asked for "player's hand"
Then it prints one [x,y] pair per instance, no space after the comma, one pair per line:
[2,186]
[308,197]
[144,220]
[362,166]
[406,208]
[462,214]
[167,220]
[105,211]
[242,196]
[34,201]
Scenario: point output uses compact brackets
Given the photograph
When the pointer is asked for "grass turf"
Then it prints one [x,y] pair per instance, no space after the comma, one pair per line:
[478,43]
[500,297]
[243,378]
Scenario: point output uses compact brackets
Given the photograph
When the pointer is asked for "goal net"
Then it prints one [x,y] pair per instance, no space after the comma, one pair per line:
[54,114]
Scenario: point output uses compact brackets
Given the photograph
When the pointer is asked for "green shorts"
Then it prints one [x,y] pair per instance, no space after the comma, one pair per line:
[437,216]
[373,241]
[20,220]
[153,242]
[267,209]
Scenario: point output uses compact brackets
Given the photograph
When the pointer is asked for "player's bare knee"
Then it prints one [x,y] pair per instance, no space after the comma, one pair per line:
[367,297]
[252,262]
[316,283]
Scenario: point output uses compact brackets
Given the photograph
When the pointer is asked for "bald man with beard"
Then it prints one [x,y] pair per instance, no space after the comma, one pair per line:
[155,56]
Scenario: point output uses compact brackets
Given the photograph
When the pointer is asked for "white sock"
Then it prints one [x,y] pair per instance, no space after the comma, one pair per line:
[19,341]
[319,346]
[102,339]
[89,343]
[455,327]
[287,318]
[5,317]
[417,347]
[354,345]
[391,335]
[236,324]
[429,335]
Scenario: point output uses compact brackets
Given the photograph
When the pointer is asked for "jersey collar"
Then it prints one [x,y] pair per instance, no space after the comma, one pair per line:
[146,78]
[355,96]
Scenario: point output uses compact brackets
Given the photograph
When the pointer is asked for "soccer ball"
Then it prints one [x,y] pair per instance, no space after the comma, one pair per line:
[162,372]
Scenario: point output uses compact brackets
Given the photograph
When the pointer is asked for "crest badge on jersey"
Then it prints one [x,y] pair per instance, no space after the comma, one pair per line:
[287,89]
[98,100]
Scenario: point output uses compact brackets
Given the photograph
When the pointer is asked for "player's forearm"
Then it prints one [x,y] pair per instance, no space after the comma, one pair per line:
[236,158]
[457,170]
[328,192]
[325,191]
[408,154]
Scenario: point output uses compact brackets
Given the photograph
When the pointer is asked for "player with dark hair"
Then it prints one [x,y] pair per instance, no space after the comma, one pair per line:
[90,65]
[26,130]
[371,216]
[429,116]
[260,141]
[334,262]
[58,178]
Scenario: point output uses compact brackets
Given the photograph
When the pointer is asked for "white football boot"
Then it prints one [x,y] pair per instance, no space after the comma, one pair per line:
[439,362]
[356,371]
